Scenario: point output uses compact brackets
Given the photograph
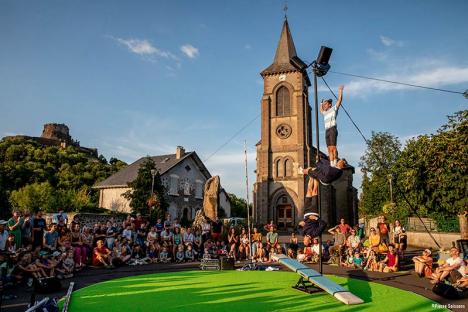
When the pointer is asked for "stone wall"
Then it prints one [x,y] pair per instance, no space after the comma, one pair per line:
[424,240]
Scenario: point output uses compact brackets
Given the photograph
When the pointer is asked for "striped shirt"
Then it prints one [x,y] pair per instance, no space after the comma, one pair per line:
[330,117]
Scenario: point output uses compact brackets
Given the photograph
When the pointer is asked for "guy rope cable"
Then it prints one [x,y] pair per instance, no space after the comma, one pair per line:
[385,167]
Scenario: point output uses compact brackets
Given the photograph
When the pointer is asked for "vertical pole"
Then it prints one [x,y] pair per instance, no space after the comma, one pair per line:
[391,190]
[317,159]
[248,200]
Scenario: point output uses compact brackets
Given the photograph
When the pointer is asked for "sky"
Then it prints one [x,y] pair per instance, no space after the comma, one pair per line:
[137,78]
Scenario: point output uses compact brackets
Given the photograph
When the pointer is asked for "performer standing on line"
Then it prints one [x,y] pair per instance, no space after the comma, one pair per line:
[331,132]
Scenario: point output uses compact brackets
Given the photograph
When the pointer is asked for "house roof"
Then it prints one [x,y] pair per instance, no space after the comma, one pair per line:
[163,164]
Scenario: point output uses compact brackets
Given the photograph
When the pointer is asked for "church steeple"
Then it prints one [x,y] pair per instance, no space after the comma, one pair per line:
[284,52]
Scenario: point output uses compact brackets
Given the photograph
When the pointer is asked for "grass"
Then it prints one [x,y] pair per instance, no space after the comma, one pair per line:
[235,291]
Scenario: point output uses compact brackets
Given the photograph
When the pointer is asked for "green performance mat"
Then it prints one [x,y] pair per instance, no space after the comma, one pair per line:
[236,291]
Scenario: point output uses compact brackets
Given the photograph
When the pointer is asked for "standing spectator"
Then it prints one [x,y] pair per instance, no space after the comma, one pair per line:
[138,221]
[99,232]
[127,233]
[257,238]
[14,227]
[168,222]
[51,237]
[216,230]
[127,222]
[270,225]
[272,238]
[397,230]
[177,224]
[176,240]
[384,230]
[87,238]
[344,227]
[166,239]
[39,226]
[159,227]
[61,217]
[244,249]
[79,250]
[232,241]
[3,235]
[360,231]
[27,229]
[111,233]
[141,235]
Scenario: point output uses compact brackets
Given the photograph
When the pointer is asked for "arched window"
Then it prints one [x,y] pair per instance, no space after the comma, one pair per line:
[279,168]
[283,108]
[288,168]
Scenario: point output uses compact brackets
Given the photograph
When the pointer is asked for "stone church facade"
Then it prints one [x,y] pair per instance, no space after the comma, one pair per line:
[286,144]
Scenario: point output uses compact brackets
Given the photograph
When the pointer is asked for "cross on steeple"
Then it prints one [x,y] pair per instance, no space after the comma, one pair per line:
[285,9]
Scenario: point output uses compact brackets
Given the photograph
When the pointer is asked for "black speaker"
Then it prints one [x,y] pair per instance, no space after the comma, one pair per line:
[324,55]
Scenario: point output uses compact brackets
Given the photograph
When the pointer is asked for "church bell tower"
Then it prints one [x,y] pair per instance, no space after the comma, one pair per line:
[285,137]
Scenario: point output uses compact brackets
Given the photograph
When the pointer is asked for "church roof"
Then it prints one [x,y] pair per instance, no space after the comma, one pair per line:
[163,164]
[284,53]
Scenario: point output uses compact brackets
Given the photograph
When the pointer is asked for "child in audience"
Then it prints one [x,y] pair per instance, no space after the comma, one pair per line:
[371,263]
[206,254]
[349,260]
[357,260]
[300,255]
[180,255]
[189,254]
[68,265]
[152,254]
[164,256]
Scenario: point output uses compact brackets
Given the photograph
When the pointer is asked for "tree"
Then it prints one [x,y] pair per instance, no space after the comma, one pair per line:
[434,170]
[140,192]
[238,206]
[377,163]
[33,197]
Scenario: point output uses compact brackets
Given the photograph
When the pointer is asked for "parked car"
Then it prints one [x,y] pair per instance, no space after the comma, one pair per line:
[234,222]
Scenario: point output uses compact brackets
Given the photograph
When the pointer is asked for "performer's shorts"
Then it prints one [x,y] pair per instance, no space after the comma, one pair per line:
[311,204]
[331,134]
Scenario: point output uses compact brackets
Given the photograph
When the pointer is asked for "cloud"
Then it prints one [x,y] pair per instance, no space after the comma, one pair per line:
[388,42]
[377,55]
[144,47]
[436,77]
[190,51]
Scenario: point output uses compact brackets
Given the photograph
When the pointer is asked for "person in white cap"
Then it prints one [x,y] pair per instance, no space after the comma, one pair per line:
[3,235]
[423,264]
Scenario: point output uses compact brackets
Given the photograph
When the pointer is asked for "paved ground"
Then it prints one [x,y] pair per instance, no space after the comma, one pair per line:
[403,280]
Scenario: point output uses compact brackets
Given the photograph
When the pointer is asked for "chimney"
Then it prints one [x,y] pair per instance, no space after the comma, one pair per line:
[180,152]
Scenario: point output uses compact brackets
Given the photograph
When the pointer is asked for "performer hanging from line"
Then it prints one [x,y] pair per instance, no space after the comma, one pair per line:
[331,132]
[312,225]
[325,172]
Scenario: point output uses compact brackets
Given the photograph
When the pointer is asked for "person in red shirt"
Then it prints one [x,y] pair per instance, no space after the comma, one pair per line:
[345,228]
[102,255]
[390,263]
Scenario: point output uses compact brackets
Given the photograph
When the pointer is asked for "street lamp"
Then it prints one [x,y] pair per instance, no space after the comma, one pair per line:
[320,68]
[153,173]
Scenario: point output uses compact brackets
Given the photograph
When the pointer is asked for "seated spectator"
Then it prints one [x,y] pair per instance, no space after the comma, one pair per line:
[339,242]
[121,254]
[164,256]
[454,266]
[79,249]
[357,260]
[141,235]
[244,249]
[293,242]
[272,238]
[259,252]
[180,254]
[152,253]
[269,226]
[138,255]
[67,265]
[371,262]
[44,263]
[159,227]
[10,246]
[222,248]
[390,263]
[111,234]
[463,281]
[349,260]
[206,254]
[152,237]
[102,255]
[216,230]
[353,241]
[300,255]
[374,241]
[166,239]
[26,265]
[403,242]
[189,253]
[176,240]
[188,238]
[3,235]
[423,264]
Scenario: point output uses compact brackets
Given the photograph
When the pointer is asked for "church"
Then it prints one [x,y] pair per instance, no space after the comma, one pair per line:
[286,144]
